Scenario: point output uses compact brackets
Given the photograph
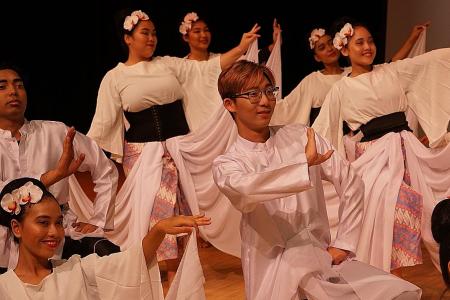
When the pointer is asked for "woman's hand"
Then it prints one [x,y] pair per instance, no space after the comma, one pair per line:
[248,38]
[181,224]
[172,225]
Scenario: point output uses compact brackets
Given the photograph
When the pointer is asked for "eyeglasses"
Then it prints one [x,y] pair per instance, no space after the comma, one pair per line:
[254,96]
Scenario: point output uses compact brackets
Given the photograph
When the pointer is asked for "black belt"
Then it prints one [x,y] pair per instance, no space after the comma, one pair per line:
[157,123]
[378,127]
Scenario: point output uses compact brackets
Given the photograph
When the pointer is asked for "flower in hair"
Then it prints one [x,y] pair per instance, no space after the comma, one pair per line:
[341,37]
[10,204]
[187,22]
[133,19]
[316,34]
[28,193]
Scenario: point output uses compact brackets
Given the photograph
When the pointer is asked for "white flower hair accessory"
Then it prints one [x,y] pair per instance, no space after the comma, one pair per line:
[316,34]
[187,22]
[133,19]
[28,193]
[341,37]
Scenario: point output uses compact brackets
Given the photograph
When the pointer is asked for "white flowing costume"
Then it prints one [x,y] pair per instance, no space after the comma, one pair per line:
[39,150]
[162,80]
[284,226]
[422,85]
[193,155]
[122,275]
[296,108]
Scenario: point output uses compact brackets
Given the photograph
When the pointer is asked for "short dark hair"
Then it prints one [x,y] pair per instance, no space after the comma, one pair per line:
[440,228]
[7,65]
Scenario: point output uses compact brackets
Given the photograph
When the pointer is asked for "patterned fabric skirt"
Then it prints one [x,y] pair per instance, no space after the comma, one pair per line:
[169,199]
[406,250]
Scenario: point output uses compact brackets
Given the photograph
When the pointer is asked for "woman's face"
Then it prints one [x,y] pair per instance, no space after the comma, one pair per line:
[199,36]
[142,41]
[41,230]
[361,48]
[324,51]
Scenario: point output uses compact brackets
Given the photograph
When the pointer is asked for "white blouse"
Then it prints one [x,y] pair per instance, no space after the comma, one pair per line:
[135,88]
[309,93]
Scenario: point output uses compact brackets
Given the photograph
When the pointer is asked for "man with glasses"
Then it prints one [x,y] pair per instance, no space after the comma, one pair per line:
[273,175]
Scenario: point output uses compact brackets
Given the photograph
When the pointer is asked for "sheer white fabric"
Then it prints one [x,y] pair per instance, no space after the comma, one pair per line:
[284,228]
[122,275]
[193,155]
[421,84]
[33,156]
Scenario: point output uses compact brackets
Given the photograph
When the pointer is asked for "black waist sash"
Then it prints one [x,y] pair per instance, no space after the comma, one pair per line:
[378,127]
[157,123]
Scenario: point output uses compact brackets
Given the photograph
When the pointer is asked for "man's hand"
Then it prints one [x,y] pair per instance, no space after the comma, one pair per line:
[67,163]
[84,227]
[312,156]
[337,255]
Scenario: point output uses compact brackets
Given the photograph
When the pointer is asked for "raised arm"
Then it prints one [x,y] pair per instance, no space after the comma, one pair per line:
[172,225]
[67,164]
[403,52]
[276,30]
[231,56]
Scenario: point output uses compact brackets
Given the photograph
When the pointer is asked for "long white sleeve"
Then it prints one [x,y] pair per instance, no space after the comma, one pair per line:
[246,188]
[104,175]
[426,82]
[350,189]
[107,127]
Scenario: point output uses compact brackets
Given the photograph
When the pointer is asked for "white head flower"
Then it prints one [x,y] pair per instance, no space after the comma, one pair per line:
[133,19]
[187,22]
[341,37]
[338,41]
[347,30]
[316,34]
[10,203]
[28,193]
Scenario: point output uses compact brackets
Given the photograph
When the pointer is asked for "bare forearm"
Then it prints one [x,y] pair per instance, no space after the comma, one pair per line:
[230,57]
[151,242]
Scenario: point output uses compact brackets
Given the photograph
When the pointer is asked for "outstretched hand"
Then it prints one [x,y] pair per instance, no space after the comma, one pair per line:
[172,225]
[67,164]
[276,30]
[312,156]
[249,37]
[417,30]
[182,224]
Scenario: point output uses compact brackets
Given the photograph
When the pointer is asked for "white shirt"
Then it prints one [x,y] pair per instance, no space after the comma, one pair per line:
[283,206]
[91,277]
[40,149]
[419,83]
[309,93]
[159,81]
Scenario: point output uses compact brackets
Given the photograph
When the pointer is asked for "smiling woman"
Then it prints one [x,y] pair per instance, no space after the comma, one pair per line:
[32,214]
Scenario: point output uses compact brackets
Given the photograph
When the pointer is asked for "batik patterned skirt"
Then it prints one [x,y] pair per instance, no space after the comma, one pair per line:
[169,199]
[406,250]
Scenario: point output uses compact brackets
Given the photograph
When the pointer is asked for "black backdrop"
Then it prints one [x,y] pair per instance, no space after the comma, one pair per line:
[66,48]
